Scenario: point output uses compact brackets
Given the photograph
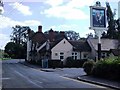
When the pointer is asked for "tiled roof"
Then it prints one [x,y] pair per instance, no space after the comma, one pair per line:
[39,37]
[80,46]
[106,44]
[115,52]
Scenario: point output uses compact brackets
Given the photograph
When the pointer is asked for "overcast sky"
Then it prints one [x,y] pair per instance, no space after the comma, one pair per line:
[61,15]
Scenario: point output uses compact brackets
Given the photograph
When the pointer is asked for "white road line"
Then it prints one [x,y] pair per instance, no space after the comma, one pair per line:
[28,79]
[82,82]
[38,81]
[5,78]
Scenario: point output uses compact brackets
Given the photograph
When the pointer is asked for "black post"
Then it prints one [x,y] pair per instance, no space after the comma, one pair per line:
[99,51]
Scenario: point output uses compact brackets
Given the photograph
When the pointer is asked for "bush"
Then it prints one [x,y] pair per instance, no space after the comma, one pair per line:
[6,55]
[88,66]
[55,64]
[74,63]
[108,68]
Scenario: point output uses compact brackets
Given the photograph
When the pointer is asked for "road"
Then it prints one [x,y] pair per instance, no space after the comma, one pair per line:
[16,75]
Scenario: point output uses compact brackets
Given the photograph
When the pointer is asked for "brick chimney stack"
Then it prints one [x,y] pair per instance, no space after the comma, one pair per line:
[40,28]
[62,33]
[51,35]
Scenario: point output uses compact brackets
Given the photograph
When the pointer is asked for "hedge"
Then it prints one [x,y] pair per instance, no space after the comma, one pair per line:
[107,68]
[75,63]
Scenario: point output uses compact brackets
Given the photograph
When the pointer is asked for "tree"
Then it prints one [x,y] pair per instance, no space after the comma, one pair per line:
[111,33]
[118,30]
[9,49]
[15,50]
[19,38]
[72,35]
[19,34]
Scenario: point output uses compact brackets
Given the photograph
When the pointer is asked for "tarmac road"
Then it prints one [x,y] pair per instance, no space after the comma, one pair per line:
[16,75]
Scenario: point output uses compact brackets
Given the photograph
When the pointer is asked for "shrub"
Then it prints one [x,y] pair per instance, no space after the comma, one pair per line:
[108,68]
[88,66]
[6,55]
[74,63]
[55,64]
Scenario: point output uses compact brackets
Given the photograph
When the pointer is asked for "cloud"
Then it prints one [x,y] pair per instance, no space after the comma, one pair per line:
[74,27]
[65,12]
[8,22]
[80,3]
[65,27]
[54,2]
[67,9]
[3,40]
[25,10]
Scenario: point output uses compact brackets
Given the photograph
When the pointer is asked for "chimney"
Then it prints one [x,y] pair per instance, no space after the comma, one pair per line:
[40,28]
[51,35]
[62,33]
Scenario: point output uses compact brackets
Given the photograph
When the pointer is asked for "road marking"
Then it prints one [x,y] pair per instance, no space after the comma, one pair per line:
[38,81]
[5,78]
[28,79]
[82,82]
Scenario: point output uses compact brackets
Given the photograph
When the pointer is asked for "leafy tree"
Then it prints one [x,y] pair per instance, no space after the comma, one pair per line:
[19,34]
[15,50]
[19,42]
[118,27]
[72,35]
[90,35]
[9,49]
[118,31]
[111,33]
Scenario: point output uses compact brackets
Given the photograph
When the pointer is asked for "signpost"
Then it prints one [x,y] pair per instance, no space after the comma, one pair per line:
[98,22]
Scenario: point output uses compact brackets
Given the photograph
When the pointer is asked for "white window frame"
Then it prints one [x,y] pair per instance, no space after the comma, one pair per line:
[62,55]
[75,55]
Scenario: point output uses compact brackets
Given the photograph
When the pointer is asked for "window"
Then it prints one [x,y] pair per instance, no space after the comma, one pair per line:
[61,55]
[85,56]
[103,55]
[56,54]
[74,55]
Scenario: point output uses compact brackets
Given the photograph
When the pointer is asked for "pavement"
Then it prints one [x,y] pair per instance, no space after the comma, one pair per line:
[100,81]
[82,77]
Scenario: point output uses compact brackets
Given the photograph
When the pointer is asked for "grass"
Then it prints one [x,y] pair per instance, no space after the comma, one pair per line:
[5,58]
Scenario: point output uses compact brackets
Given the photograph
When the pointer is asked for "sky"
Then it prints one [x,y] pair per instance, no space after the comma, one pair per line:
[60,15]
